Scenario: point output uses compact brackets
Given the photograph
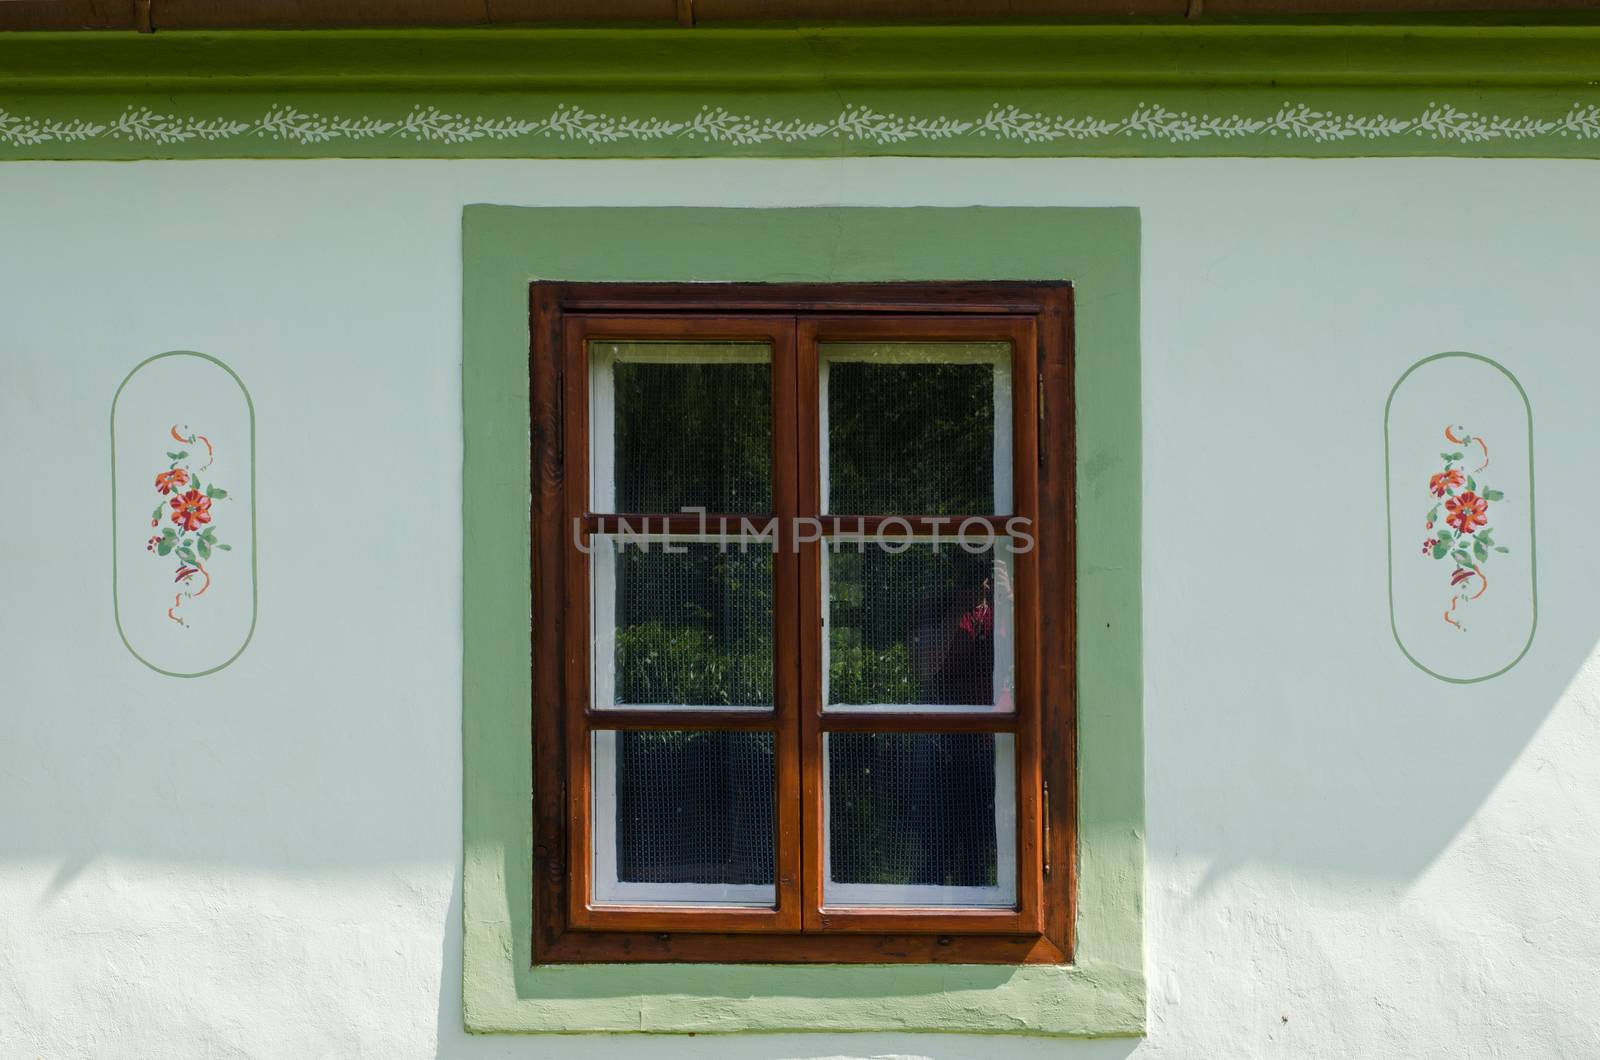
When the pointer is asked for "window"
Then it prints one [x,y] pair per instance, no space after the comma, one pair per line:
[803,623]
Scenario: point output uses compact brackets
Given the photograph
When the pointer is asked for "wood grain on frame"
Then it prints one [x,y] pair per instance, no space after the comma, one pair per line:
[583,909]
[1037,321]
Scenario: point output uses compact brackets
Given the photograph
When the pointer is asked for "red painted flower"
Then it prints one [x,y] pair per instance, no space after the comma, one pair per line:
[1467,512]
[191,510]
[1444,481]
[1427,546]
[167,481]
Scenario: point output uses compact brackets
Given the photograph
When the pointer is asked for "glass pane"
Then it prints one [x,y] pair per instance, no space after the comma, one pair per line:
[921,819]
[918,625]
[680,622]
[917,428]
[684,817]
[681,425]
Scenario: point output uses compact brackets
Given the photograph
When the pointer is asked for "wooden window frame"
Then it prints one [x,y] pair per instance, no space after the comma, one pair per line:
[567,927]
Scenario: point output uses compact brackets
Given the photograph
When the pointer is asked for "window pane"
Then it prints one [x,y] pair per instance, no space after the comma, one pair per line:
[690,627]
[914,625]
[684,817]
[681,425]
[921,819]
[917,428]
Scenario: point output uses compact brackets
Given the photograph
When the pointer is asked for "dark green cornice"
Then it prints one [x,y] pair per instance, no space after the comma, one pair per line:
[1326,88]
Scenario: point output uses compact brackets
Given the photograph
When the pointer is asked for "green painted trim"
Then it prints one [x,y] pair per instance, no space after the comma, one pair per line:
[255,593]
[790,57]
[503,249]
[1315,90]
[1533,535]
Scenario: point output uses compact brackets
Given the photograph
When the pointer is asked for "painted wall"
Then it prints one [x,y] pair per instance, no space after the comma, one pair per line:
[1346,857]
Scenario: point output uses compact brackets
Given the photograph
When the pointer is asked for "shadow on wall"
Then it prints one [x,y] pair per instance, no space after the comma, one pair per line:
[456,1044]
[1284,726]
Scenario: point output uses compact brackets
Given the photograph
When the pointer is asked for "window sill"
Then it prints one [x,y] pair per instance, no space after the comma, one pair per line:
[1064,1000]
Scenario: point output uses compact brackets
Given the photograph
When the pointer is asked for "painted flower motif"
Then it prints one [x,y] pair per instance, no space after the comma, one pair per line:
[1444,481]
[1427,546]
[1467,512]
[191,510]
[188,503]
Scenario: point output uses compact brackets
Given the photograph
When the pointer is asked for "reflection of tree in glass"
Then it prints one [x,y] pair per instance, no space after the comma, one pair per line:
[910,439]
[912,628]
[694,628]
[693,435]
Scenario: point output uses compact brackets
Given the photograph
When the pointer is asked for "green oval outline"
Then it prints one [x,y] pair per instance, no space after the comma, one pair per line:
[1533,535]
[255,594]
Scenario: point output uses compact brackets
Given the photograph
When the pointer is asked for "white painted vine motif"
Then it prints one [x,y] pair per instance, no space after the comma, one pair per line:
[715,124]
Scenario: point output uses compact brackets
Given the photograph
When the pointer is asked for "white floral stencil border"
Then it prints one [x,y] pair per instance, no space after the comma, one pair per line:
[715,124]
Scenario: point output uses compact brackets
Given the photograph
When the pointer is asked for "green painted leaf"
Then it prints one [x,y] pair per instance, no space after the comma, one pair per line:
[1493,495]
[174,456]
[169,531]
[226,548]
[1501,548]
[205,548]
[215,494]
[164,546]
[1440,549]
[1446,535]
[1480,550]
[194,483]
[186,554]
[1472,484]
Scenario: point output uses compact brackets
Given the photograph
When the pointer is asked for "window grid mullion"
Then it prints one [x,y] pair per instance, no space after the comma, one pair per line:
[797,716]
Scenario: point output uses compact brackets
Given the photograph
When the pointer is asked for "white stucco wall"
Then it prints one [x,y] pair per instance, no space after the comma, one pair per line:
[1347,858]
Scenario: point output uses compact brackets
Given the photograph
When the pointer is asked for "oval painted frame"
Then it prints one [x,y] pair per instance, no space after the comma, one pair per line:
[116,519]
[1388,465]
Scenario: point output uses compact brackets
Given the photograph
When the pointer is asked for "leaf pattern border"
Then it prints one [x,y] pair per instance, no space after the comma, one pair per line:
[1001,123]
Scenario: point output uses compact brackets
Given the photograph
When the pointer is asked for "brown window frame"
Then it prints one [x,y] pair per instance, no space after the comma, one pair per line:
[794,318]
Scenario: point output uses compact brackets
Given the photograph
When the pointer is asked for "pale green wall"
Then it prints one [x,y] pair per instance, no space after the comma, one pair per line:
[1344,857]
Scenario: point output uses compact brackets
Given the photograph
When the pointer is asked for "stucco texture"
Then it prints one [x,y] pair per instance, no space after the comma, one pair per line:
[1344,856]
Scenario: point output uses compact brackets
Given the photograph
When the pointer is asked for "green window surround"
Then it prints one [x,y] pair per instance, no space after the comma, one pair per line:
[504,248]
